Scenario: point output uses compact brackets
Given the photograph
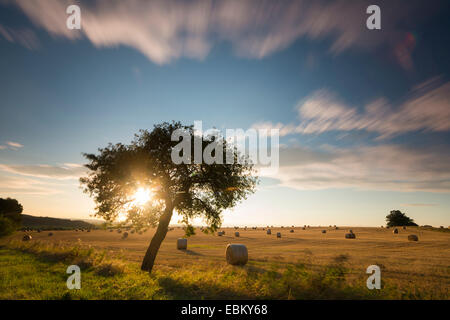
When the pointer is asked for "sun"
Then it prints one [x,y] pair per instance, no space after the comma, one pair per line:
[141,196]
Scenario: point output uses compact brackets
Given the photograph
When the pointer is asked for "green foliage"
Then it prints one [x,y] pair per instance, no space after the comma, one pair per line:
[7,226]
[10,215]
[398,218]
[193,190]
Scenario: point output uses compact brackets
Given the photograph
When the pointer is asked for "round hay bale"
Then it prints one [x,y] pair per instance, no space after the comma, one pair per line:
[336,228]
[236,254]
[111,230]
[395,231]
[182,244]
[292,231]
[140,232]
[26,237]
[413,237]
[50,234]
[125,235]
[236,234]
[350,236]
[404,228]
[324,231]
[223,232]
[88,230]
[119,231]
[278,234]
[39,230]
[269,231]
[303,228]
[133,231]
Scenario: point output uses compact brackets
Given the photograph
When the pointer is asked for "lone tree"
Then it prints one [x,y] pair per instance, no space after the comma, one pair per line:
[140,185]
[10,215]
[398,218]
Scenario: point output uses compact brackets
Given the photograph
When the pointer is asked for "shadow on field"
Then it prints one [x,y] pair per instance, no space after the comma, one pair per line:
[192,253]
[180,290]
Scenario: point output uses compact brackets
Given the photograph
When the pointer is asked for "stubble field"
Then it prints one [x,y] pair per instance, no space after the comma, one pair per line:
[409,270]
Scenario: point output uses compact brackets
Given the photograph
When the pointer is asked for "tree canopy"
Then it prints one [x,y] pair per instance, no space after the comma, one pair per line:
[10,215]
[191,189]
[398,218]
[12,209]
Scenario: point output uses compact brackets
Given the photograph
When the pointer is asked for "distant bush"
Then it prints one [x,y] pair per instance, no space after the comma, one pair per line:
[398,218]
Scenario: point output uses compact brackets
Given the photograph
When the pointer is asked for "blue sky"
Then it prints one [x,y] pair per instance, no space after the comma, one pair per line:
[364,115]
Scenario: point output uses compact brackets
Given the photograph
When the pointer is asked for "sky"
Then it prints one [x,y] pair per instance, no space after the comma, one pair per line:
[364,115]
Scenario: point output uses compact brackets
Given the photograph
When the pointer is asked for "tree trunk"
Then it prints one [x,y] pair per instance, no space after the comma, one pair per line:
[161,231]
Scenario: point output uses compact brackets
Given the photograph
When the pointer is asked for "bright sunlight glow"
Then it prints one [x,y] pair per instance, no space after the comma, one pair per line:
[142,196]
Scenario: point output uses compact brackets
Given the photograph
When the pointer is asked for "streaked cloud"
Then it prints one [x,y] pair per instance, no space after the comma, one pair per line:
[25,37]
[164,30]
[14,185]
[68,171]
[14,144]
[384,167]
[426,108]
[419,204]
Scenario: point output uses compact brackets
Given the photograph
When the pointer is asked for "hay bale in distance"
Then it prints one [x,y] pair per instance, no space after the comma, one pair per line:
[269,231]
[50,234]
[125,235]
[395,231]
[182,244]
[278,234]
[350,236]
[119,231]
[413,237]
[26,237]
[236,254]
[292,231]
[236,234]
[404,228]
[324,231]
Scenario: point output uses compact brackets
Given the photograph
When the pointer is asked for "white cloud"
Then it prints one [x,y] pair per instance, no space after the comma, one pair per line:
[68,171]
[14,144]
[12,185]
[164,30]
[427,108]
[384,167]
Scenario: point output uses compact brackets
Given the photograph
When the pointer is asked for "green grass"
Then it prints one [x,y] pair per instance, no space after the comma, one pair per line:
[38,271]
